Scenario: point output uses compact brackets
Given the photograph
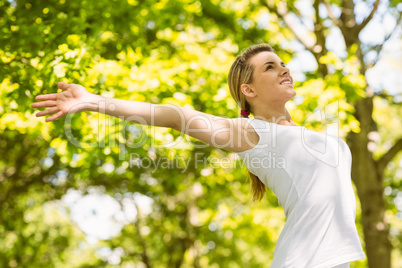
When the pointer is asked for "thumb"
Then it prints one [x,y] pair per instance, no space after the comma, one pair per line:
[62,85]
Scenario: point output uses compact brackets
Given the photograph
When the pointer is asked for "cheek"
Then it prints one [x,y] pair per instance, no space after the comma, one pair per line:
[266,84]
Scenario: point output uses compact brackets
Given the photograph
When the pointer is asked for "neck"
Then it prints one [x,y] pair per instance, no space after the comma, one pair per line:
[277,114]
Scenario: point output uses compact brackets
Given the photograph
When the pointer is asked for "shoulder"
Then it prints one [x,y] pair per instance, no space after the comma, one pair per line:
[247,133]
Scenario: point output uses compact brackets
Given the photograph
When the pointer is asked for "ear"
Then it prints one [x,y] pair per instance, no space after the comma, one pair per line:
[247,90]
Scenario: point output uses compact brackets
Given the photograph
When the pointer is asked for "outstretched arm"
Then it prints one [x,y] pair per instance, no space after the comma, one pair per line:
[75,98]
[230,134]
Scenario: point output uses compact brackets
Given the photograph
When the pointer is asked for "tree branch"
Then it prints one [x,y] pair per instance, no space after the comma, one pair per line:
[331,15]
[282,12]
[317,46]
[388,98]
[387,157]
[319,29]
[144,254]
[378,48]
[370,16]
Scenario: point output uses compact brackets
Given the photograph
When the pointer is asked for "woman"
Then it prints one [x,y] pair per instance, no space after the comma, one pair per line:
[314,189]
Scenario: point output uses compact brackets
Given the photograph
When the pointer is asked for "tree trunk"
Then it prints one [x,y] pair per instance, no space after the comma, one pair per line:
[368,181]
[367,173]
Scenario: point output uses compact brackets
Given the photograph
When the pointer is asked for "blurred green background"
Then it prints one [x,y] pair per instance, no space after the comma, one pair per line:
[109,203]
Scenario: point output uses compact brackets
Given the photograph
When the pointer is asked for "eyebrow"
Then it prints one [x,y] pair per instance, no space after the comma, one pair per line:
[271,62]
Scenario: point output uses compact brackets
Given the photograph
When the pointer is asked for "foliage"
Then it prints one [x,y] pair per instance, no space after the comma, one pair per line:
[172,52]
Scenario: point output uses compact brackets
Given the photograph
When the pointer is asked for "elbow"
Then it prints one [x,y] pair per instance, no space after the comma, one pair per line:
[171,117]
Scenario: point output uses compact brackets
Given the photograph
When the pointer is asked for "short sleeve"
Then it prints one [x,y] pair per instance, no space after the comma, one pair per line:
[263,130]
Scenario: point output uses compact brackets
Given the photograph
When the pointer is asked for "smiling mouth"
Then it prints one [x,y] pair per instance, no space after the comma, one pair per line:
[286,83]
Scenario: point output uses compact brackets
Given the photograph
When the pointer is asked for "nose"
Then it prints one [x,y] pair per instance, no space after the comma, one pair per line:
[285,71]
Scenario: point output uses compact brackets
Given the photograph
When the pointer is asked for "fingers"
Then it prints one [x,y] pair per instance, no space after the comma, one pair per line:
[42,104]
[54,117]
[52,96]
[62,85]
[48,111]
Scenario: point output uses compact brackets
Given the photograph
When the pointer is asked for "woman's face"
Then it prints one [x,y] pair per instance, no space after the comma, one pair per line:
[271,79]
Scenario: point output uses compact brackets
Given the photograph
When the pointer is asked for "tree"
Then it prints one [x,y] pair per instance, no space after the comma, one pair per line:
[160,52]
[367,170]
[169,53]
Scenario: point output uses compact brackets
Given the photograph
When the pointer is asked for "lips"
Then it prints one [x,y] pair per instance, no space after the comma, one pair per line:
[286,81]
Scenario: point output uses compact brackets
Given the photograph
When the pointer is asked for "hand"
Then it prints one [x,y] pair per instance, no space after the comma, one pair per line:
[74,98]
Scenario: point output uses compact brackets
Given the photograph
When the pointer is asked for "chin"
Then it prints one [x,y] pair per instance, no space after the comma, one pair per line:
[292,94]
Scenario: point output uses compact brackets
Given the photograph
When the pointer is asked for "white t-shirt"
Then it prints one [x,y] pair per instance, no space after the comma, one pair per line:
[309,172]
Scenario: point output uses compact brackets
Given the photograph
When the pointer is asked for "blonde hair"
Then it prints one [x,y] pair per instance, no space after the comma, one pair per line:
[241,72]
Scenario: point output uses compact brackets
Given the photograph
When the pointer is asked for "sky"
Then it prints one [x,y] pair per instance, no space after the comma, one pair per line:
[387,73]
[101,216]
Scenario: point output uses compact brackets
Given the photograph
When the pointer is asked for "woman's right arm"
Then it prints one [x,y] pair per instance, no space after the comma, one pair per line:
[231,134]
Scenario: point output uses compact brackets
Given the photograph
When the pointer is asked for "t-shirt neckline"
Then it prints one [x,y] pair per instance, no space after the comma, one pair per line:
[276,123]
